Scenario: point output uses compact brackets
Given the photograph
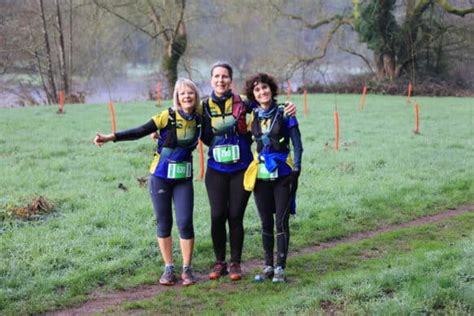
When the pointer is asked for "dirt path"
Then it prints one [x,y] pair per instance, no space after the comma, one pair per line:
[99,301]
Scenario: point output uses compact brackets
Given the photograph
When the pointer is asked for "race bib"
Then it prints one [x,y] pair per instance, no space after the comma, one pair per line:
[226,153]
[179,170]
[264,174]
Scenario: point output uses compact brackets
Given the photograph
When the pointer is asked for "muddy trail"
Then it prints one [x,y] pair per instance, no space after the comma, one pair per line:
[100,301]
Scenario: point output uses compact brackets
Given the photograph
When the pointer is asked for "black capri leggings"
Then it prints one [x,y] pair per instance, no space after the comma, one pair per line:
[228,201]
[272,199]
[162,191]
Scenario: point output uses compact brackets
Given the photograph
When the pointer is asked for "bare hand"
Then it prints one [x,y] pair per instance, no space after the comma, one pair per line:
[154,136]
[290,108]
[101,139]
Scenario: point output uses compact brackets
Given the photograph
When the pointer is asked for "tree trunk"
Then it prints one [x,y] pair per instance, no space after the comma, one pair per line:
[175,50]
[408,46]
[380,71]
[389,65]
[61,51]
[36,55]
[174,34]
[53,96]
[43,83]
[70,43]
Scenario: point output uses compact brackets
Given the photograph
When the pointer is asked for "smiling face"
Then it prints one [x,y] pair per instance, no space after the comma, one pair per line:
[261,88]
[187,98]
[263,94]
[220,81]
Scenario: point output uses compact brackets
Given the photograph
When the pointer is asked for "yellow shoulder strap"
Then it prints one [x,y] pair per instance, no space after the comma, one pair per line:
[161,120]
[215,109]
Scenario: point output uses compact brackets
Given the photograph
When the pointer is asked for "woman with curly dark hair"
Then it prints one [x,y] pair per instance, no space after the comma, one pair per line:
[225,132]
[273,175]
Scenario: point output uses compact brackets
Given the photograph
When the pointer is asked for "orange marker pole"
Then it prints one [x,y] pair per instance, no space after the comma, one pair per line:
[112,116]
[305,100]
[409,93]
[61,101]
[288,92]
[362,98]
[158,93]
[336,125]
[417,119]
[201,160]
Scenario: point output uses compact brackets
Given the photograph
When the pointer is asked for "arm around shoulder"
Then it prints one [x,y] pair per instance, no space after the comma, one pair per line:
[295,137]
[290,108]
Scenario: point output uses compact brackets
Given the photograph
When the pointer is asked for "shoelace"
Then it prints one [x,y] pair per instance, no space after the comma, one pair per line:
[279,270]
[268,269]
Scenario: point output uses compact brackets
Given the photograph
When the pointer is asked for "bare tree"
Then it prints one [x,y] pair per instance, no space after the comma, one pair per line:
[396,45]
[164,20]
[52,91]
[62,50]
[38,51]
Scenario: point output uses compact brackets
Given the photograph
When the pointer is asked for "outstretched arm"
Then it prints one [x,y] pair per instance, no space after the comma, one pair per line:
[130,134]
[290,107]
[101,139]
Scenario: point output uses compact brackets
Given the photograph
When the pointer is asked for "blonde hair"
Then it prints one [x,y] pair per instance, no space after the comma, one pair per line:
[180,83]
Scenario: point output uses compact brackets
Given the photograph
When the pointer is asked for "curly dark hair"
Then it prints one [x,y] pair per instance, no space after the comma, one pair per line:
[260,78]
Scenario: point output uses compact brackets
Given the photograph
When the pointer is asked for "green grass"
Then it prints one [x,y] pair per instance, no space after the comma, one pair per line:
[424,270]
[101,236]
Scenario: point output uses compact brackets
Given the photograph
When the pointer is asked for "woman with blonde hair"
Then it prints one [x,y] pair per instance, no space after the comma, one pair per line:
[170,179]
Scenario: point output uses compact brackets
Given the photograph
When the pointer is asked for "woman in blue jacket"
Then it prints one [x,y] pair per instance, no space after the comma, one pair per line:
[179,129]
[225,132]
[273,175]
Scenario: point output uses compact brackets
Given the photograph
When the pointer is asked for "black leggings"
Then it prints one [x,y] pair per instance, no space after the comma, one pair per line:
[273,197]
[228,201]
[162,191]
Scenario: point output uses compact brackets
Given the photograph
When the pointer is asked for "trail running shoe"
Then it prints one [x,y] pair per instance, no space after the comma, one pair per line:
[279,275]
[219,269]
[187,276]
[168,277]
[267,274]
[235,272]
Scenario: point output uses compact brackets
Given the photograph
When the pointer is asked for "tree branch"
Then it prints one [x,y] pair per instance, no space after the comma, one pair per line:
[420,7]
[307,24]
[181,18]
[155,18]
[448,7]
[349,51]
[123,18]
[327,40]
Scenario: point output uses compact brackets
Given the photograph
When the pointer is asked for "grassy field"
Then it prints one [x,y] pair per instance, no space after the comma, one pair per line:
[421,270]
[101,236]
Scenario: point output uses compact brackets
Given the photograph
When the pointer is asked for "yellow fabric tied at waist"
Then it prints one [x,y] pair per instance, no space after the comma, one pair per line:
[250,176]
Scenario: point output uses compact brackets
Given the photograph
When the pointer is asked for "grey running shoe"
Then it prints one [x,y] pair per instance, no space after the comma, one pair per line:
[267,274]
[168,277]
[187,276]
[279,275]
